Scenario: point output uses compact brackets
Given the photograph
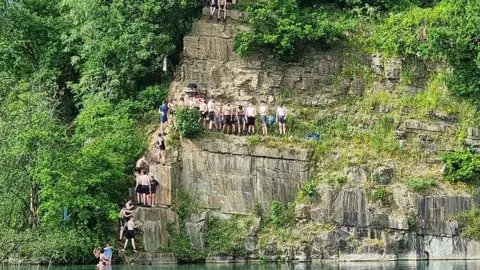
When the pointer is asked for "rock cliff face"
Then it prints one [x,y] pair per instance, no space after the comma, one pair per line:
[210,61]
[229,176]
[233,177]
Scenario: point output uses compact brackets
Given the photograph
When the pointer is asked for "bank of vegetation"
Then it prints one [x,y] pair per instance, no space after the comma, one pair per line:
[79,80]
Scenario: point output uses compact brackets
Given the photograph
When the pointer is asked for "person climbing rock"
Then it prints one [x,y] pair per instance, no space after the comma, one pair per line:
[124,214]
[161,149]
[163,110]
[142,163]
[130,234]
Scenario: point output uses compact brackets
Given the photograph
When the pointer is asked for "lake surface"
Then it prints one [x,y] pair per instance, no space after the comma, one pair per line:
[434,265]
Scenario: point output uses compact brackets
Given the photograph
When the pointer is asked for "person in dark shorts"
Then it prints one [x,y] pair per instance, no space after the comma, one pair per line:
[96,253]
[251,113]
[161,149]
[163,110]
[145,189]
[153,190]
[213,8]
[227,117]
[222,6]
[241,120]
[281,117]
[124,214]
[130,234]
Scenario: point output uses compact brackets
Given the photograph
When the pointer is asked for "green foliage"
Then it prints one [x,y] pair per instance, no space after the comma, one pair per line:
[281,26]
[421,185]
[77,81]
[188,122]
[226,237]
[181,244]
[307,190]
[184,204]
[280,215]
[446,32]
[462,166]
[470,223]
[380,194]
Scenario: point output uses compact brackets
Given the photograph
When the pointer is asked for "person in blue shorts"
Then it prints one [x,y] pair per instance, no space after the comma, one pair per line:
[163,110]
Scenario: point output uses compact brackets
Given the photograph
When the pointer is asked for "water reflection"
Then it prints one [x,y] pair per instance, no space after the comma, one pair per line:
[421,265]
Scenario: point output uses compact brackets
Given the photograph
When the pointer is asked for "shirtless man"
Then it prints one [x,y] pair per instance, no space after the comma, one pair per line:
[222,6]
[145,181]
[218,116]
[130,233]
[240,114]
[251,114]
[203,111]
[227,117]
[211,113]
[281,117]
[138,185]
[142,163]
[124,214]
[263,116]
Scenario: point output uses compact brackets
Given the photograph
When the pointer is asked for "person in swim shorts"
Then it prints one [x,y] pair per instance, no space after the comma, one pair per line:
[263,117]
[130,234]
[281,117]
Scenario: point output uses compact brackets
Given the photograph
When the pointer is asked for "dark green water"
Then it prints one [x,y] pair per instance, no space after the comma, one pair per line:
[435,265]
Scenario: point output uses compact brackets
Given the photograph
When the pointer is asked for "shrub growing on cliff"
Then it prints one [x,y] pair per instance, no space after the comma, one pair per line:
[280,214]
[281,25]
[462,166]
[446,32]
[188,122]
[225,237]
[470,223]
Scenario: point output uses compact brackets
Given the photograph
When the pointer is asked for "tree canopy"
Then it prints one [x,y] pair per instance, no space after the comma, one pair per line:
[76,80]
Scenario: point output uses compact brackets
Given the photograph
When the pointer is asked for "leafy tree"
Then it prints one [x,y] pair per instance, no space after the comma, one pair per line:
[281,26]
[446,32]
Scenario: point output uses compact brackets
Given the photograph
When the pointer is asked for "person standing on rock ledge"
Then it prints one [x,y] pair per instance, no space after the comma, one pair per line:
[211,113]
[163,110]
[281,117]
[222,6]
[130,234]
[263,117]
[251,113]
[213,8]
[145,180]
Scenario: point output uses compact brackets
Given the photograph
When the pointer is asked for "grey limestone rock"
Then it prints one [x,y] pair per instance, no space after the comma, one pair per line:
[355,174]
[383,175]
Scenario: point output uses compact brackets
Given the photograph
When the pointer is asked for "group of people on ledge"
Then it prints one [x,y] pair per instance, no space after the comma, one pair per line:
[225,117]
